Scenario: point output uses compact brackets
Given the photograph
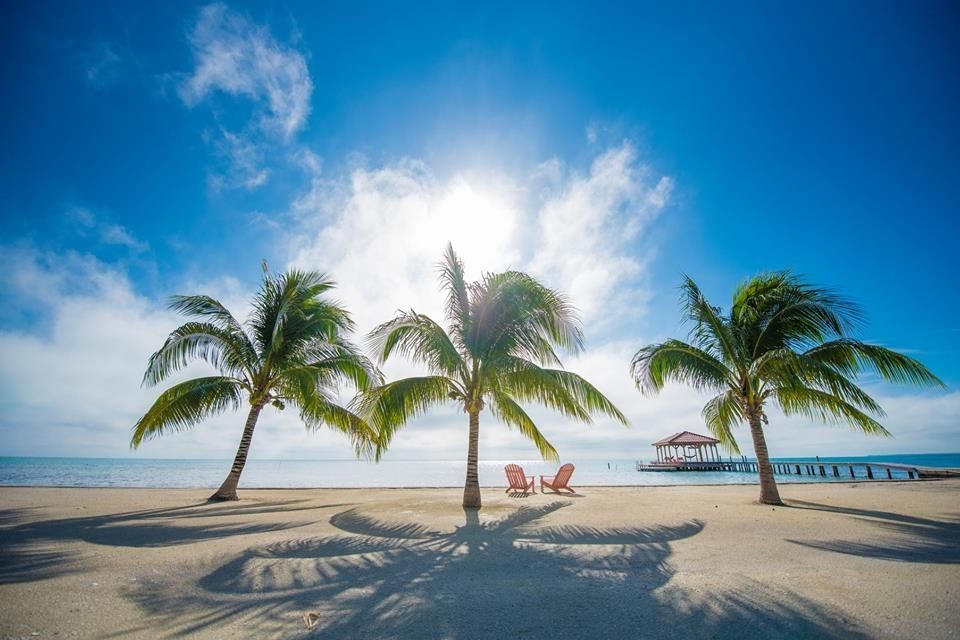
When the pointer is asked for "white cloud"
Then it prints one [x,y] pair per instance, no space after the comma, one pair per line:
[383,230]
[244,159]
[586,231]
[592,133]
[75,384]
[85,222]
[82,217]
[117,234]
[235,56]
[102,64]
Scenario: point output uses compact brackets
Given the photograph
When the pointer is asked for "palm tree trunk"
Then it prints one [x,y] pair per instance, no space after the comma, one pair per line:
[228,490]
[471,488]
[768,486]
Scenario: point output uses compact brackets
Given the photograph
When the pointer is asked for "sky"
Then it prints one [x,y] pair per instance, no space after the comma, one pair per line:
[607,149]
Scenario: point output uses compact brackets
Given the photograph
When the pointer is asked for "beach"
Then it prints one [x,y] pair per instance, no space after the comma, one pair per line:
[850,560]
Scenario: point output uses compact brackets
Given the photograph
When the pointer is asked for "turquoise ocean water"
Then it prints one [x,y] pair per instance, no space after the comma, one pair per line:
[136,472]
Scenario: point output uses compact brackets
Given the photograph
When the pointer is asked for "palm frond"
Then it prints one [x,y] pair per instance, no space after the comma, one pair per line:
[388,407]
[825,407]
[210,310]
[318,411]
[288,307]
[783,368]
[513,415]
[453,282]
[419,338]
[337,361]
[780,309]
[674,360]
[225,350]
[515,314]
[711,332]
[721,414]
[183,405]
[560,390]
[852,356]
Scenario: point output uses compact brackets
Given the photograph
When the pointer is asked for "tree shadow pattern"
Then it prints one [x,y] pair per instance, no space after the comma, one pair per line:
[512,577]
[901,538]
[29,549]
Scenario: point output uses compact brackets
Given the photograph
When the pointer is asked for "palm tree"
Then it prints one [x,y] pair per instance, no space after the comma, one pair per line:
[496,353]
[783,342]
[292,350]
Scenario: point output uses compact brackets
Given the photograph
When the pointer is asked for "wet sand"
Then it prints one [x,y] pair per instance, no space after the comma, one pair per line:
[877,560]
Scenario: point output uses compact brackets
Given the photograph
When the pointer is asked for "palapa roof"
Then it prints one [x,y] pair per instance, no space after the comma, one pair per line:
[684,438]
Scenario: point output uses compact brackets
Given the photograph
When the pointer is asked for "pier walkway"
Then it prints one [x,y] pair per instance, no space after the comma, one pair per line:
[857,470]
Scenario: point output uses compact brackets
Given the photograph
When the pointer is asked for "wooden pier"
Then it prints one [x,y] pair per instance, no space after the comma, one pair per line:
[855,470]
[688,451]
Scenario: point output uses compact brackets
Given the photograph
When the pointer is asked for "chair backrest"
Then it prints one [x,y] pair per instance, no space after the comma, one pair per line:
[515,476]
[563,475]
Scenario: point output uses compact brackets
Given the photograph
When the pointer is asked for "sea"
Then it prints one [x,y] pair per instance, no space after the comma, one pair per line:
[141,472]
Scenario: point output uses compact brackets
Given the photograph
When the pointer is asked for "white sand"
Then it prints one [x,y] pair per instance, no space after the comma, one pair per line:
[843,560]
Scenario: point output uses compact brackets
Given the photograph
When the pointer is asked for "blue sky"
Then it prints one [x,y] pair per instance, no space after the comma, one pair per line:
[607,148]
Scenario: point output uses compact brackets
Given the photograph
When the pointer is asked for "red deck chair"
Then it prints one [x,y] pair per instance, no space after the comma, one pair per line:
[518,480]
[559,481]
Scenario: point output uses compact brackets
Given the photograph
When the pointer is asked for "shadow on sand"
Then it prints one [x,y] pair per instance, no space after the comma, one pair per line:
[513,577]
[27,546]
[901,537]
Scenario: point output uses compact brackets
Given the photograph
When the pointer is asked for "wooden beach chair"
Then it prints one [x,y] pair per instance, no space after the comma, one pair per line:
[559,481]
[517,479]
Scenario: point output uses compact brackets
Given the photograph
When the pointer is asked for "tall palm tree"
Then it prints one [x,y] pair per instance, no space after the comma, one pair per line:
[293,350]
[783,342]
[496,352]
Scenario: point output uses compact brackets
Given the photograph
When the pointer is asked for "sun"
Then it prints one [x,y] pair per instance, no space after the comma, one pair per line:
[480,221]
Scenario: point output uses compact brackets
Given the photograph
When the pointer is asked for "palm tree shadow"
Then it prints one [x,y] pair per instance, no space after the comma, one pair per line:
[902,538]
[27,563]
[511,576]
[32,549]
